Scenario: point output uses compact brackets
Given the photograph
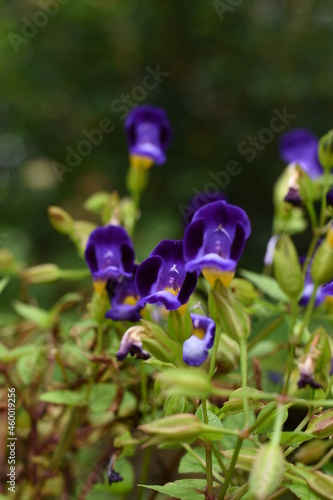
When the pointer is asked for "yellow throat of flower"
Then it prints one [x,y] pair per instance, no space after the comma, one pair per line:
[212,274]
[143,162]
[99,286]
[130,300]
[175,292]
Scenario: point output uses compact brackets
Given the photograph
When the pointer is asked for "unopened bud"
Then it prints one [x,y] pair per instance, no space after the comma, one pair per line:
[191,382]
[325,150]
[321,425]
[175,404]
[44,273]
[287,269]
[228,312]
[60,220]
[322,264]
[174,428]
[267,471]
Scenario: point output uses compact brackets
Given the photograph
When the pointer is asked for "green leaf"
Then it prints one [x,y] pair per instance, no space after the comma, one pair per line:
[302,491]
[7,356]
[294,438]
[184,489]
[101,397]
[38,316]
[266,284]
[63,397]
[267,418]
[189,465]
[3,283]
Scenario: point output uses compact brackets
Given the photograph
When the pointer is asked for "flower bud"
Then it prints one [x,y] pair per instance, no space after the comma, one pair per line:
[325,150]
[190,382]
[43,273]
[287,269]
[8,263]
[244,291]
[60,220]
[228,312]
[321,425]
[311,452]
[267,471]
[175,404]
[322,263]
[180,326]
[175,428]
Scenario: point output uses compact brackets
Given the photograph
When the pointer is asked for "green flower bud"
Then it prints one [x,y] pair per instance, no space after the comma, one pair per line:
[311,452]
[244,291]
[60,220]
[322,264]
[180,326]
[225,310]
[267,471]
[325,150]
[8,263]
[43,273]
[321,425]
[191,382]
[175,428]
[287,269]
[175,404]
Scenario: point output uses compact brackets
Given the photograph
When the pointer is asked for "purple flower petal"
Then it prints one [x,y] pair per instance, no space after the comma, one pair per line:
[195,349]
[301,146]
[148,132]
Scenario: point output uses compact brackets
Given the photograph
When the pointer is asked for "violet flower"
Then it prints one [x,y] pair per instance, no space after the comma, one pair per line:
[131,344]
[109,255]
[124,299]
[300,146]
[162,278]
[214,241]
[195,349]
[149,134]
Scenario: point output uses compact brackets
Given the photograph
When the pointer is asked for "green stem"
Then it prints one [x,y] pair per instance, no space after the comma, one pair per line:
[66,438]
[144,471]
[99,339]
[243,363]
[191,452]
[231,468]
[312,214]
[214,353]
[278,425]
[209,463]
[308,311]
[218,458]
[144,391]
[262,335]
[291,349]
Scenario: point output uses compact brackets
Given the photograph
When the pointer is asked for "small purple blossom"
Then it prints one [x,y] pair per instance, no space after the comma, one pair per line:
[131,344]
[214,240]
[109,254]
[162,278]
[270,249]
[148,132]
[124,299]
[195,349]
[300,146]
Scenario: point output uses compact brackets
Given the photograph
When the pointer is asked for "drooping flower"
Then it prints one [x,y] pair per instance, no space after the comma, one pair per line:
[214,241]
[300,146]
[124,299]
[131,344]
[195,349]
[306,368]
[109,255]
[162,278]
[149,134]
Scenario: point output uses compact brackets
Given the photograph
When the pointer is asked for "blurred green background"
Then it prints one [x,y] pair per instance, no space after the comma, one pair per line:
[64,68]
